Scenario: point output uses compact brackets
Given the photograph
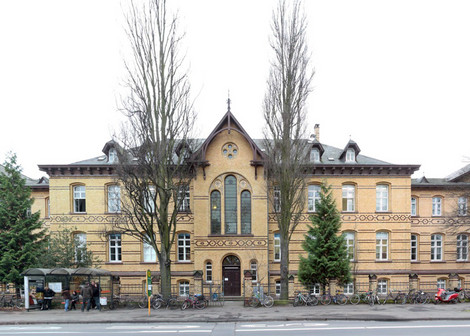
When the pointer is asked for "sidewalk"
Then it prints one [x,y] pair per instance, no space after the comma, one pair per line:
[235,312]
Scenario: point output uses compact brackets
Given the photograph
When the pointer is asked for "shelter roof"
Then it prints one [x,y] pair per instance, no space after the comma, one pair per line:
[65,271]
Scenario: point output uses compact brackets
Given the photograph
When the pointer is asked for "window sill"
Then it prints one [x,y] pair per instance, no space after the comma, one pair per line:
[415,262]
[383,261]
[113,213]
[113,263]
[461,261]
[437,261]
[184,262]
[148,262]
[231,235]
[184,212]
[436,216]
[383,212]
[78,213]
[349,212]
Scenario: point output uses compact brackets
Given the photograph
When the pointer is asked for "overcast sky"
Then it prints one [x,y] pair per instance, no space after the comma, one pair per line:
[392,75]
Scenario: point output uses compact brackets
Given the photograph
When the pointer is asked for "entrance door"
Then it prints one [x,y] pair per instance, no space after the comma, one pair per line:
[231,276]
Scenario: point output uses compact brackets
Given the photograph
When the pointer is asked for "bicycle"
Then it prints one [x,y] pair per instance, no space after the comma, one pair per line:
[156,301]
[195,301]
[463,296]
[338,298]
[399,298]
[11,301]
[261,299]
[354,299]
[371,298]
[125,301]
[307,300]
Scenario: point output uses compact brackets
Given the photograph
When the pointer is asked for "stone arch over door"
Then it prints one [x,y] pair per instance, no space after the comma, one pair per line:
[231,275]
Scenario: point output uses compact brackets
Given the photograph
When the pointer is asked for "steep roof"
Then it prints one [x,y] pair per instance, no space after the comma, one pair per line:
[459,174]
[43,182]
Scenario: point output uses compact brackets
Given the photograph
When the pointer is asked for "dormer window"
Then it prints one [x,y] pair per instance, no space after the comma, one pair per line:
[314,155]
[112,155]
[350,155]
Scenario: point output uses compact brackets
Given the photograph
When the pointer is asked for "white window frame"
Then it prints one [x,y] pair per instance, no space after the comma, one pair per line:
[349,198]
[315,289]
[149,253]
[381,192]
[437,206]
[313,196]
[112,155]
[462,206]
[414,247]
[441,283]
[314,155]
[462,247]
[79,240]
[254,270]
[115,245]
[382,239]
[350,155]
[436,247]
[277,199]
[414,206]
[79,194]
[349,288]
[184,198]
[350,244]
[184,288]
[382,287]
[114,198]
[277,247]
[148,199]
[184,247]
[209,272]
[278,287]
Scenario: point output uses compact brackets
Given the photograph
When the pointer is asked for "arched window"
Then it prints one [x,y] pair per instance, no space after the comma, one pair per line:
[381,247]
[79,199]
[277,247]
[245,216]
[381,191]
[115,247]
[462,247]
[414,206]
[114,199]
[230,205]
[208,271]
[349,197]
[80,246]
[437,206]
[149,253]
[313,197]
[349,237]
[184,247]
[414,247]
[436,247]
[254,271]
[215,212]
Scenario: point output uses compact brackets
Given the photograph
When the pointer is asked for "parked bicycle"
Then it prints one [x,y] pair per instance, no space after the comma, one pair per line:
[371,298]
[196,301]
[400,298]
[124,301]
[338,298]
[259,298]
[156,301]
[354,299]
[305,299]
[11,301]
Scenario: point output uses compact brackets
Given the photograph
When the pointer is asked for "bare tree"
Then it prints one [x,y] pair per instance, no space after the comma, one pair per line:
[288,87]
[154,144]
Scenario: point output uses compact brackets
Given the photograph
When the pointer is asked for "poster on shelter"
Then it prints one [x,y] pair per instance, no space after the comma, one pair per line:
[56,286]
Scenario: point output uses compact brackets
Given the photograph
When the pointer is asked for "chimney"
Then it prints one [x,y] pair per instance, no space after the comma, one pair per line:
[316,130]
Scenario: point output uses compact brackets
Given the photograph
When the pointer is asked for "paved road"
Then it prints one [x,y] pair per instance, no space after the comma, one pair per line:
[276,328]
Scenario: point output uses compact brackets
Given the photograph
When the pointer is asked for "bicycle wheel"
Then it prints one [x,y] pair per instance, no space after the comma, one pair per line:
[371,299]
[354,299]
[172,303]
[382,300]
[313,300]
[157,303]
[325,299]
[143,302]
[253,302]
[268,301]
[341,299]
[186,304]
[132,303]
[401,298]
[200,304]
[296,301]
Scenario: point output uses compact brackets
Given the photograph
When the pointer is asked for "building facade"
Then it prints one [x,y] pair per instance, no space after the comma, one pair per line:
[226,226]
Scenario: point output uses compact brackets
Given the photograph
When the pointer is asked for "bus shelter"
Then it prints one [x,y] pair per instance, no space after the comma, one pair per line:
[59,278]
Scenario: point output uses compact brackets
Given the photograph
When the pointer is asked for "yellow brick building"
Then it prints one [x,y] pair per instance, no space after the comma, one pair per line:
[226,225]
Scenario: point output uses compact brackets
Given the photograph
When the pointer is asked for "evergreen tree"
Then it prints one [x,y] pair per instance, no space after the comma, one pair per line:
[21,233]
[327,256]
[65,250]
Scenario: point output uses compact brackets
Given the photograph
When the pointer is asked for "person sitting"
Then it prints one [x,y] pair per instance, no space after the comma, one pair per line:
[75,299]
[48,295]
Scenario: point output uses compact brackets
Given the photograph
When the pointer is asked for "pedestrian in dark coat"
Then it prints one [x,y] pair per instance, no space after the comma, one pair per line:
[67,297]
[87,294]
[96,294]
[48,295]
[75,299]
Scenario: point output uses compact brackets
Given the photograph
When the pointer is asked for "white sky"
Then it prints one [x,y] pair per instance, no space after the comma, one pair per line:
[393,75]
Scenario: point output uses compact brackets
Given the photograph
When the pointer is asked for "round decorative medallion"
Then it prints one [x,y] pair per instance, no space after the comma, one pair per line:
[229,150]
[243,183]
[218,183]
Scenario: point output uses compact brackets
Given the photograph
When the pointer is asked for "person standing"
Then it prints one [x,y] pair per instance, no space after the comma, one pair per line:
[75,299]
[48,295]
[87,294]
[67,297]
[96,294]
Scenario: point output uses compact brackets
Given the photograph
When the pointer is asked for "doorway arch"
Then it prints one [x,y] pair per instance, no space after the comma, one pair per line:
[231,275]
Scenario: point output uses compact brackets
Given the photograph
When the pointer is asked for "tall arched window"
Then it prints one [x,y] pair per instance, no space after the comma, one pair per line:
[230,205]
[246,212]
[215,212]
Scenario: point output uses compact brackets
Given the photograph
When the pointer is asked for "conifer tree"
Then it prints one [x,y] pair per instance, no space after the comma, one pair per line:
[21,234]
[327,257]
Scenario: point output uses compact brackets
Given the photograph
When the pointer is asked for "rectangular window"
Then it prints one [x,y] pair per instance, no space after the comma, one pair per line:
[254,271]
[149,199]
[462,206]
[80,247]
[381,247]
[350,155]
[278,288]
[462,247]
[441,283]
[414,248]
[209,272]
[277,199]
[382,287]
[436,247]
[381,192]
[184,249]
[114,199]
[349,288]
[413,206]
[349,237]
[149,253]
[79,199]
[349,198]
[314,155]
[313,197]
[184,288]
[183,198]
[115,247]
[436,206]
[315,289]
[277,247]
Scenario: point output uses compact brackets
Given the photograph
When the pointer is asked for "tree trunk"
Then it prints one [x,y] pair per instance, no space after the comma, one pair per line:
[284,268]
[165,275]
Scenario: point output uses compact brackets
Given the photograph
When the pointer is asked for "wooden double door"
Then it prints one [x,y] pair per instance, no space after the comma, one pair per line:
[231,276]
